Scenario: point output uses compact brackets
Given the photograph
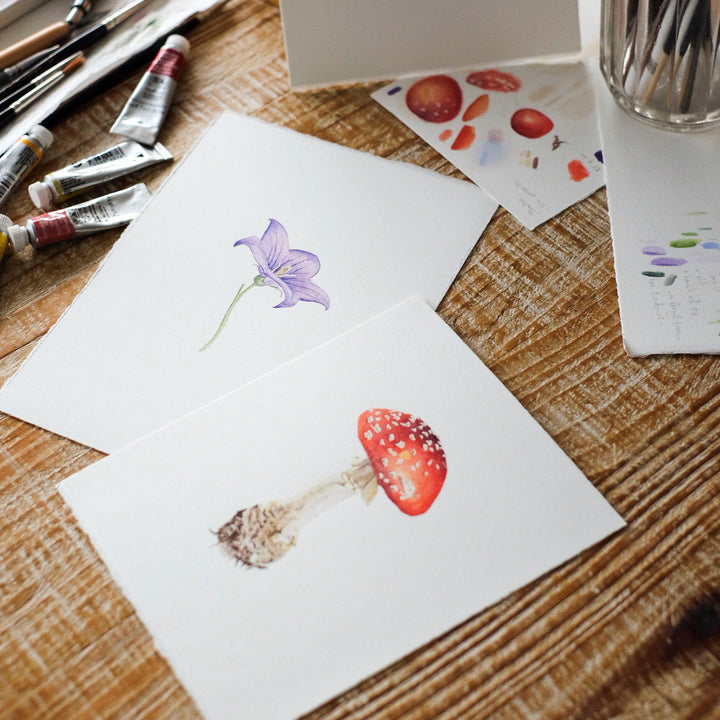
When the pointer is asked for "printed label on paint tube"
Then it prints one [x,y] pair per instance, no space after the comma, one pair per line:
[16,163]
[169,62]
[124,158]
[100,214]
[144,112]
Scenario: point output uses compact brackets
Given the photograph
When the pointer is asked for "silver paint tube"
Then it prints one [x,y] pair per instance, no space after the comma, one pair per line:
[89,218]
[145,110]
[124,158]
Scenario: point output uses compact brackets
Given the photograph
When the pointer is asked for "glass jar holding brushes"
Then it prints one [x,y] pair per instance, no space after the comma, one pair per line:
[660,60]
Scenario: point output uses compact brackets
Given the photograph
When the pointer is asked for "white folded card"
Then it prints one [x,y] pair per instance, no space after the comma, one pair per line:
[277,240]
[475,500]
[341,40]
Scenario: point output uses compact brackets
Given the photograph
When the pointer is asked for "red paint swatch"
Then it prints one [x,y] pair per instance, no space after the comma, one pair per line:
[464,139]
[494,80]
[530,123]
[436,98]
[577,171]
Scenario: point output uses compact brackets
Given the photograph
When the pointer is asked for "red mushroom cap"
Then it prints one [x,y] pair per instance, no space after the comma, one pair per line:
[406,456]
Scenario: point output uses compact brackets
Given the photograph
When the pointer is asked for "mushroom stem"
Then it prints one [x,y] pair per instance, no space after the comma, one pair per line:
[261,534]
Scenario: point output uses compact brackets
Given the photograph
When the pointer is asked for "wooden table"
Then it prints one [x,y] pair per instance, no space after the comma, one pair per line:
[629,629]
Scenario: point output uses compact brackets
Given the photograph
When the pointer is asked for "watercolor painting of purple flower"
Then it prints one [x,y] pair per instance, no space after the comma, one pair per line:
[290,271]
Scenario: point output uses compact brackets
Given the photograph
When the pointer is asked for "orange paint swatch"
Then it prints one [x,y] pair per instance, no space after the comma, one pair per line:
[444,135]
[577,170]
[477,107]
[464,139]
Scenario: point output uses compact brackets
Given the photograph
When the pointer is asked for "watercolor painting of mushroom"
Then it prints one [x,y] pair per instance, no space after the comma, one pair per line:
[403,456]
[288,270]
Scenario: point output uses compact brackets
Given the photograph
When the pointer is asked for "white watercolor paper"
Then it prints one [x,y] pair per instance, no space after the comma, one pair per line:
[131,37]
[125,358]
[343,40]
[664,199]
[527,134]
[364,584]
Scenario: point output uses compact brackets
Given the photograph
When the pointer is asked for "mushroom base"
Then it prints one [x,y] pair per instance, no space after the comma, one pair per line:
[261,534]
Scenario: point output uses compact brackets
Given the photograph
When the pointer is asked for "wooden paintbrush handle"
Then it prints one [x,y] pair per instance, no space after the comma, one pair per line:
[51,35]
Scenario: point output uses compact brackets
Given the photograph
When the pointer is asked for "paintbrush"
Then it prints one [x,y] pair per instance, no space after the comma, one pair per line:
[698,37]
[646,25]
[84,40]
[9,74]
[629,33]
[714,32]
[14,109]
[662,46]
[20,92]
[51,35]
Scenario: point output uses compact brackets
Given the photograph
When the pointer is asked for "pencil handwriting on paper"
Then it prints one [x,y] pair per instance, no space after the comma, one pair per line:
[288,270]
[682,274]
[403,456]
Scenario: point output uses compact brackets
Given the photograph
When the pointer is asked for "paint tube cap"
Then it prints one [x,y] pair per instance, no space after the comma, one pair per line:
[42,135]
[41,195]
[179,43]
[19,237]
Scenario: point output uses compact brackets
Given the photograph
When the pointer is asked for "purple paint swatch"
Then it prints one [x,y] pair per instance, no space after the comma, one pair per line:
[668,261]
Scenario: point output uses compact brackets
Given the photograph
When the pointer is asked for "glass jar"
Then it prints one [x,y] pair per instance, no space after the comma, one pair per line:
[661,62]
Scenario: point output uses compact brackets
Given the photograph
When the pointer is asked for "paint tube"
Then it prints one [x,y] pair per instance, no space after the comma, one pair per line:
[21,158]
[5,223]
[88,218]
[149,103]
[117,161]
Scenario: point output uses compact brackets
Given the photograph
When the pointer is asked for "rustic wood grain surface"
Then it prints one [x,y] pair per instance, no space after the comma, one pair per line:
[629,629]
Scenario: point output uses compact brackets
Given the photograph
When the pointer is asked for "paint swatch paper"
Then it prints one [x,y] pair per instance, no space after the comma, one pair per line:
[364,583]
[343,40]
[527,134]
[664,200]
[363,234]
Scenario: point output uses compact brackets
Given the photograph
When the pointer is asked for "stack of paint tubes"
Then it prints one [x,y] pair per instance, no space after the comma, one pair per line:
[139,122]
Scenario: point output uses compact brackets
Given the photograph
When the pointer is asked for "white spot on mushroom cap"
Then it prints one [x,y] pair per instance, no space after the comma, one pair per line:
[408,488]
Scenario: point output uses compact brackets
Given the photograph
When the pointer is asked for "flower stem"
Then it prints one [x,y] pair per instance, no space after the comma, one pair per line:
[242,290]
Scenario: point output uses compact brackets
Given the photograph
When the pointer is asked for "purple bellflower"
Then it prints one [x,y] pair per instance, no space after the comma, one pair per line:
[279,266]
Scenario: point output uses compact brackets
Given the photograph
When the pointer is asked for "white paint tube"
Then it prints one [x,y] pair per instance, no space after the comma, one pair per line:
[128,156]
[21,158]
[88,218]
[145,110]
